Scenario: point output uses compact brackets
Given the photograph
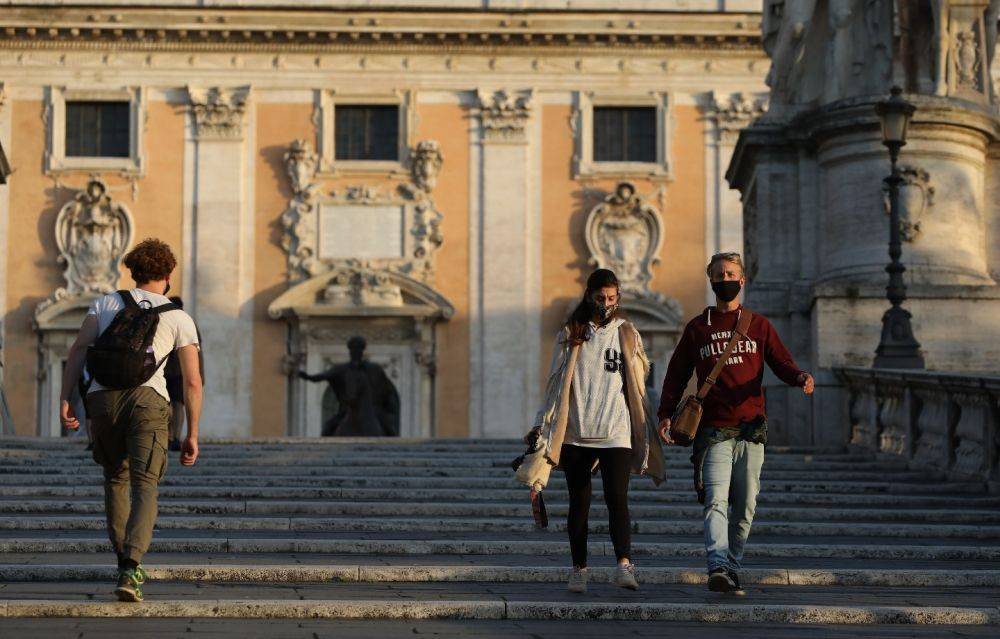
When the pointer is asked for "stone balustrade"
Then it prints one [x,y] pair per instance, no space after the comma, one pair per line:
[948,421]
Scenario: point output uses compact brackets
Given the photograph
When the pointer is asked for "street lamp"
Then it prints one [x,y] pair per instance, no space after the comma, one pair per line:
[897,348]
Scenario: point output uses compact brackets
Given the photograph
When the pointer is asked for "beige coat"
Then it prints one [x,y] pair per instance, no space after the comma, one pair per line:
[647,455]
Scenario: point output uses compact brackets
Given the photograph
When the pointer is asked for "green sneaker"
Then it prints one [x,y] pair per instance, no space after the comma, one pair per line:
[130,584]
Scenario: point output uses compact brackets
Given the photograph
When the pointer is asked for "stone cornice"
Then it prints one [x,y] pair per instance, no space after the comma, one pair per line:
[240,30]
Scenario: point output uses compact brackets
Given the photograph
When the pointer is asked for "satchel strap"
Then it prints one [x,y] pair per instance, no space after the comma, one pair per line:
[742,326]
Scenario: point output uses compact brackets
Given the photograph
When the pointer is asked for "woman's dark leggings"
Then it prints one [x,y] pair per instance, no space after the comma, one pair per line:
[576,462]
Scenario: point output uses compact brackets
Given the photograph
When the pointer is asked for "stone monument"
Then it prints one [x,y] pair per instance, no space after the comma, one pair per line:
[810,173]
[367,401]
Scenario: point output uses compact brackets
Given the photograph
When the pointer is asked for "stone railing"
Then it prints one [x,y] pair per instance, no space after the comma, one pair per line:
[947,421]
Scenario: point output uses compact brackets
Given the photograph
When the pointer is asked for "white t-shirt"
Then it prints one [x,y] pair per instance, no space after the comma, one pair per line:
[598,413]
[175,330]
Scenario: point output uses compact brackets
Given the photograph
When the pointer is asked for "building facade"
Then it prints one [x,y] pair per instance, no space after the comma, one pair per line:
[438,177]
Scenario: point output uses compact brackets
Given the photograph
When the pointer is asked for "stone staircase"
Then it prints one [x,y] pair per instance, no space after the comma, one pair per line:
[438,529]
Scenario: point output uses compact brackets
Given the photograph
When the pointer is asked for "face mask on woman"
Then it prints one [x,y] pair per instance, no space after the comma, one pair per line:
[601,310]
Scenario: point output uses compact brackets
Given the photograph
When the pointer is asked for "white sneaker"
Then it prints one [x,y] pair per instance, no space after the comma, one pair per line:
[625,577]
[578,580]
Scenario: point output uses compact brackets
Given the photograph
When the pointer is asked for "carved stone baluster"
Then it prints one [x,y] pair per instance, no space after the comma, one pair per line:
[933,426]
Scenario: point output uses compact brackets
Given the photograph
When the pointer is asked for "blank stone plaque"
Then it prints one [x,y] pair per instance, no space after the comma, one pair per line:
[360,231]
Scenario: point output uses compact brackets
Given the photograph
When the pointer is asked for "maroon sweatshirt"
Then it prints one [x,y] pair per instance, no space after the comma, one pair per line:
[736,396]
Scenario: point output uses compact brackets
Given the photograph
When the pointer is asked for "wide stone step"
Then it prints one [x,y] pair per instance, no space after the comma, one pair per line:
[517,495]
[367,546]
[556,504]
[768,604]
[413,458]
[377,445]
[56,474]
[298,573]
[639,484]
[496,525]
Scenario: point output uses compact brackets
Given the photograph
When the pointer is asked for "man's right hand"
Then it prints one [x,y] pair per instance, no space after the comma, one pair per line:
[665,432]
[68,416]
[189,451]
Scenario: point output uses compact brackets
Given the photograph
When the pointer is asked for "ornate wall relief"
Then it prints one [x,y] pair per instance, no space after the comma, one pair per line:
[300,164]
[92,233]
[505,114]
[395,230]
[218,112]
[734,112]
[916,196]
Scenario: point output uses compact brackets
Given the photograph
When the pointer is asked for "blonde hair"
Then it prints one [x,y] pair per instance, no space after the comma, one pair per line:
[724,257]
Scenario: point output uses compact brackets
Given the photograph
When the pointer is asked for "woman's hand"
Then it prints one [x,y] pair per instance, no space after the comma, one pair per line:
[533,434]
[665,432]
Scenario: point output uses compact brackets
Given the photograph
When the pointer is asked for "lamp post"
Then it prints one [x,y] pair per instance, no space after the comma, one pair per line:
[897,348]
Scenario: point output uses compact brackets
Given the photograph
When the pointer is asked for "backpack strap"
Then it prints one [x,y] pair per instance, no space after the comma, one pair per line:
[163,308]
[128,299]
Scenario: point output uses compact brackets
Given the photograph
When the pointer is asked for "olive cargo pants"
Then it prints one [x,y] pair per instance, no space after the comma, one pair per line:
[130,441]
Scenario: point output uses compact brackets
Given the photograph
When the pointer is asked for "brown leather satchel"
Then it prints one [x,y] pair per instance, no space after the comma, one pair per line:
[687,416]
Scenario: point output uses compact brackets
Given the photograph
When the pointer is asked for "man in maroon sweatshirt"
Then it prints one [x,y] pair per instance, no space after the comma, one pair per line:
[729,447]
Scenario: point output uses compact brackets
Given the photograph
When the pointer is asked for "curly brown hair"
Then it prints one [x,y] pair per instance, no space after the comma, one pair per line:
[150,261]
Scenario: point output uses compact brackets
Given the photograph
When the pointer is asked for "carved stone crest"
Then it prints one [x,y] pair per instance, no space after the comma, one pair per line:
[218,113]
[624,234]
[92,233]
[504,114]
[916,195]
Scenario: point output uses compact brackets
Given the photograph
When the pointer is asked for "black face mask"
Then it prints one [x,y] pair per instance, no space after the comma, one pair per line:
[726,290]
[167,290]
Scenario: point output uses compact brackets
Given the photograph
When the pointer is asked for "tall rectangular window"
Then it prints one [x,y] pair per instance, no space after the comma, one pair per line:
[97,129]
[366,132]
[624,134]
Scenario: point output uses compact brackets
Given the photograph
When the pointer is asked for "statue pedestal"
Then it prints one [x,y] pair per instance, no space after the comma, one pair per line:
[816,231]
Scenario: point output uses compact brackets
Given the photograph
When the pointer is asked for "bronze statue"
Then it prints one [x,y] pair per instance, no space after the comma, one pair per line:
[367,401]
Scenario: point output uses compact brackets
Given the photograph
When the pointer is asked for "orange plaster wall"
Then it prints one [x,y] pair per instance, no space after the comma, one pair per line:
[277,126]
[33,273]
[567,202]
[448,124]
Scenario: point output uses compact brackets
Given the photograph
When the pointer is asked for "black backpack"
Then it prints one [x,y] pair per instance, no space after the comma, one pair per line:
[122,357]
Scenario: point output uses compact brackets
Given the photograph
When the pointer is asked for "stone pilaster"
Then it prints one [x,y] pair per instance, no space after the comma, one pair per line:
[506,336]
[223,234]
[726,115]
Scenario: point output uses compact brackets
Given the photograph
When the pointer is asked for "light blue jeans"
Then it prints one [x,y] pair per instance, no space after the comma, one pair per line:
[732,480]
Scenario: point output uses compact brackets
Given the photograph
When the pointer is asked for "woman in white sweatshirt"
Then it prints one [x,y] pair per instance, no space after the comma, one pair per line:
[604,422]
